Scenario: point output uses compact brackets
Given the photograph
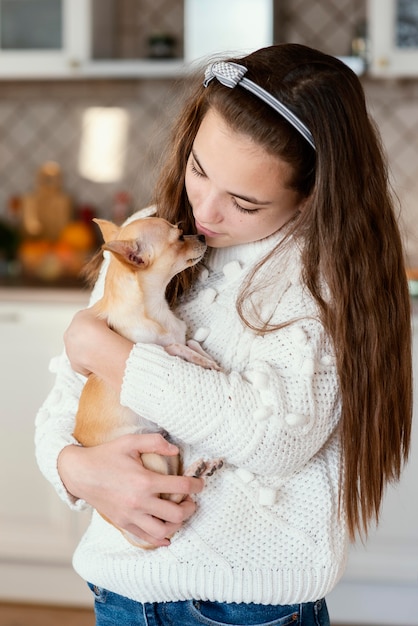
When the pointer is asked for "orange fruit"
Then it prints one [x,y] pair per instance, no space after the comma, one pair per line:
[71,259]
[78,235]
[31,252]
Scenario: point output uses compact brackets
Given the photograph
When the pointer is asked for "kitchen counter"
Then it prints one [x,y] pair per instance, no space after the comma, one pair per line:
[52,294]
[23,288]
[27,281]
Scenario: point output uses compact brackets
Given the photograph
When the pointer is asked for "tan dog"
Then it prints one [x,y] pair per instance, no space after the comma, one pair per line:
[145,255]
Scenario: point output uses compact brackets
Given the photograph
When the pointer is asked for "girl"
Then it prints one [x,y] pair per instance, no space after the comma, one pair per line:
[303,301]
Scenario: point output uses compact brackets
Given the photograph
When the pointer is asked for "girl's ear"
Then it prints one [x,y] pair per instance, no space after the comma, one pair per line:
[130,252]
[303,204]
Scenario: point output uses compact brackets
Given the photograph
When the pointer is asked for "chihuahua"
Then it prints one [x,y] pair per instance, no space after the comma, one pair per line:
[145,255]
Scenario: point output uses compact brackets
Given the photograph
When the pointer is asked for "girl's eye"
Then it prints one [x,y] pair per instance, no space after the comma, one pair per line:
[195,171]
[242,210]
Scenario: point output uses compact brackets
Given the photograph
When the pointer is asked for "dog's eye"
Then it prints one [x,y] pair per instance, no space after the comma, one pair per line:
[181,237]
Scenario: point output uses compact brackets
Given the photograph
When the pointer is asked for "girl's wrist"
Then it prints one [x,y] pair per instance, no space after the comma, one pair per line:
[68,459]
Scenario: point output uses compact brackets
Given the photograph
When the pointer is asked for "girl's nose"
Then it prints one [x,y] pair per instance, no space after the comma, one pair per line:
[207,210]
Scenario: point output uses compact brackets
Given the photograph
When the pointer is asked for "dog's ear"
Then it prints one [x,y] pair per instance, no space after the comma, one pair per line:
[108,229]
[128,251]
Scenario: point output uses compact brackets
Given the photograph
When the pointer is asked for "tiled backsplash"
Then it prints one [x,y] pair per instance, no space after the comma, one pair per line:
[42,121]
[394,106]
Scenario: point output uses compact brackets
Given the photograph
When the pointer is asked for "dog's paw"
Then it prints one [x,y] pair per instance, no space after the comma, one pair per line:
[203,468]
[193,353]
[207,360]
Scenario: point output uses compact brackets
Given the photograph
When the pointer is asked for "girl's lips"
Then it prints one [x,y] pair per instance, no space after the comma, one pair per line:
[205,231]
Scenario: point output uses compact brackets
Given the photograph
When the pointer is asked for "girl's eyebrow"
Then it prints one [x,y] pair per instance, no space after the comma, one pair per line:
[249,199]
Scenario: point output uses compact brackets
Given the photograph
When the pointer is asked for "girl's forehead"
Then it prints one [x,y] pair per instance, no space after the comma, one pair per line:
[224,152]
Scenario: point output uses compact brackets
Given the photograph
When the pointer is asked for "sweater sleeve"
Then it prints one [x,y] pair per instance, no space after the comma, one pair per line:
[269,418]
[54,423]
[54,426]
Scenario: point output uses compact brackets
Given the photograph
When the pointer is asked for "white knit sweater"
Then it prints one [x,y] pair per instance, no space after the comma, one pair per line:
[266,528]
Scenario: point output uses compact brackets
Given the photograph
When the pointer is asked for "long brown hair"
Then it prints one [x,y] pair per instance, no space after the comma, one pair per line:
[351,244]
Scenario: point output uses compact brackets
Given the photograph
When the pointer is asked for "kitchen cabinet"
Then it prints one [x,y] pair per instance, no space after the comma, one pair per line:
[393,35]
[38,532]
[92,40]
[43,38]
[105,39]
[246,25]
[72,53]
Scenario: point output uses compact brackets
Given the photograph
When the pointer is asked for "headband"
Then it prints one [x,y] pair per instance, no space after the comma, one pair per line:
[232,74]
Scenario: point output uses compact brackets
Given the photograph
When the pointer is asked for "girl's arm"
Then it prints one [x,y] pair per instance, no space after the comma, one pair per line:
[113,480]
[110,477]
[271,418]
[92,346]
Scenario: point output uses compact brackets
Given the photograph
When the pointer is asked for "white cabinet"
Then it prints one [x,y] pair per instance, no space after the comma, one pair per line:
[43,38]
[38,533]
[246,25]
[53,39]
[60,38]
[86,38]
[393,35]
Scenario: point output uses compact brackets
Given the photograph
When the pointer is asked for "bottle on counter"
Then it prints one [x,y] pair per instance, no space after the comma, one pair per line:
[121,207]
[161,45]
[46,210]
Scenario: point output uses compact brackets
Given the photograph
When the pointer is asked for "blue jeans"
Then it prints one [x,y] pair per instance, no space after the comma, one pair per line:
[114,610]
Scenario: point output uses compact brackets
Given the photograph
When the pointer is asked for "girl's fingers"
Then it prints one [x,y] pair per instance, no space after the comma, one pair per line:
[149,443]
[156,532]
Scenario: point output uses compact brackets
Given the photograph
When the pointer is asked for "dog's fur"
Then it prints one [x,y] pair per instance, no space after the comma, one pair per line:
[145,255]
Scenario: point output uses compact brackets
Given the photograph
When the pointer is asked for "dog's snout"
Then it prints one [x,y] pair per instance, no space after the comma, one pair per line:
[202,238]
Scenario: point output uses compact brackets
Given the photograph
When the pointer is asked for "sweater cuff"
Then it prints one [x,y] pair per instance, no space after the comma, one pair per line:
[49,468]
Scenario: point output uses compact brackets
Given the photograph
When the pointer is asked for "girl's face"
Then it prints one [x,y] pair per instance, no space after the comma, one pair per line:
[237,190]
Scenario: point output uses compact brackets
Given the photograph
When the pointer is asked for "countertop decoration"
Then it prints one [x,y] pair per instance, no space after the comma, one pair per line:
[46,240]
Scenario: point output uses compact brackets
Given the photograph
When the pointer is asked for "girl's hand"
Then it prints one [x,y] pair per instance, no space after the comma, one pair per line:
[92,347]
[112,479]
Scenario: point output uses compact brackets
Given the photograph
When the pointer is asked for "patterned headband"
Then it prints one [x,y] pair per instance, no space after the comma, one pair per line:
[232,74]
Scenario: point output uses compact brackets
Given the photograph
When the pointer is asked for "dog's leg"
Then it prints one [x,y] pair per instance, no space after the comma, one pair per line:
[194,353]
[198,469]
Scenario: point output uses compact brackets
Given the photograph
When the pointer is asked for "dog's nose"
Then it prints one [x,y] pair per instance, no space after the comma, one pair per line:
[202,238]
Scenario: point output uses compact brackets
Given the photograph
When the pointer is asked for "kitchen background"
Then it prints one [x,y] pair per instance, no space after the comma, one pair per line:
[43,120]
[48,121]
